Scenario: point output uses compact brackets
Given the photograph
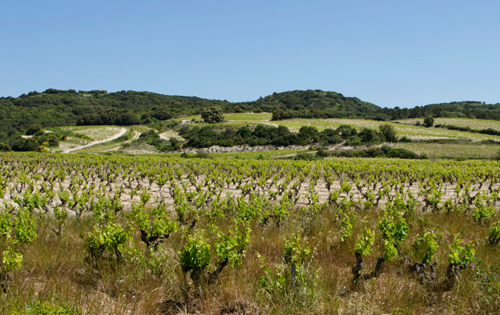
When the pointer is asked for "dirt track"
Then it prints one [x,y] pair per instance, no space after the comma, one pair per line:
[116,136]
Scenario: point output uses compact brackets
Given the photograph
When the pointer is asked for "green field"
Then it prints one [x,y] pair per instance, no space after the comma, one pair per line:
[460,122]
[446,150]
[410,130]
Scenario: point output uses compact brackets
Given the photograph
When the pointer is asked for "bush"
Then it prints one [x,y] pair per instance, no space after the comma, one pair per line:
[162,114]
[404,139]
[4,147]
[149,136]
[330,136]
[33,129]
[354,141]
[322,153]
[346,131]
[307,157]
[496,157]
[388,132]
[212,115]
[428,121]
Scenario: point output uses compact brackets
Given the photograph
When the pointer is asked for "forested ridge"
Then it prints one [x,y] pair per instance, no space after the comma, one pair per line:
[97,107]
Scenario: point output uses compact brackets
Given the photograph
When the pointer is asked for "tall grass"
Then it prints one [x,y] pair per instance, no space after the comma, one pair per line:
[55,269]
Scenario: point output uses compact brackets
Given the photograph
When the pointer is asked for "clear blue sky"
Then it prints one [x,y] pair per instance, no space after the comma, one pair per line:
[392,53]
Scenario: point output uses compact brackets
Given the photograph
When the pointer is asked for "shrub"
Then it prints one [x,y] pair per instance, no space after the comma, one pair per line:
[5,147]
[212,115]
[32,129]
[404,139]
[496,157]
[494,234]
[388,132]
[428,121]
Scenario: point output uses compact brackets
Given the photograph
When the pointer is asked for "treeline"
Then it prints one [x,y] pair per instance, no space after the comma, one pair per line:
[288,105]
[466,109]
[226,136]
[112,116]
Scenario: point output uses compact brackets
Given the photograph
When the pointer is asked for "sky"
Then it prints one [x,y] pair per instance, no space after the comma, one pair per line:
[390,53]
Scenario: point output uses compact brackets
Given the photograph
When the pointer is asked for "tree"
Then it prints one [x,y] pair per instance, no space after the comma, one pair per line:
[345,131]
[244,132]
[277,114]
[212,115]
[162,114]
[175,143]
[4,147]
[429,121]
[389,132]
[330,136]
[368,135]
[308,134]
[496,157]
[127,119]
[33,128]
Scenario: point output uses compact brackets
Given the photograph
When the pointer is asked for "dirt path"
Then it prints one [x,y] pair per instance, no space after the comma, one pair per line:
[116,136]
[136,136]
[170,134]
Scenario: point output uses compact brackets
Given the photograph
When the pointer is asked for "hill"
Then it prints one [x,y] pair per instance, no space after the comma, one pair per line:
[465,109]
[313,104]
[70,107]
[97,107]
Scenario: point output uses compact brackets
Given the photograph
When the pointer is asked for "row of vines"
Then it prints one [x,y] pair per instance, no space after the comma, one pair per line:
[289,236]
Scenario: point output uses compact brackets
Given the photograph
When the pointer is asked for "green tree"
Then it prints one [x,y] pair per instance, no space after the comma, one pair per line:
[212,115]
[389,132]
[495,157]
[368,135]
[33,128]
[308,134]
[4,147]
[346,131]
[175,143]
[429,121]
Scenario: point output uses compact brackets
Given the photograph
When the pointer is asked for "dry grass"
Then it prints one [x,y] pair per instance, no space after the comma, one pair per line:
[56,269]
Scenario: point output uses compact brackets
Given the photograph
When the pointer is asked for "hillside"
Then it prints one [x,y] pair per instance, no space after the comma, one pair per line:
[56,108]
[70,107]
[465,109]
[313,104]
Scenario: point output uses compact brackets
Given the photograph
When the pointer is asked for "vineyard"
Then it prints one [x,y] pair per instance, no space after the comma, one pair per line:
[451,150]
[169,235]
[404,127]
[462,122]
